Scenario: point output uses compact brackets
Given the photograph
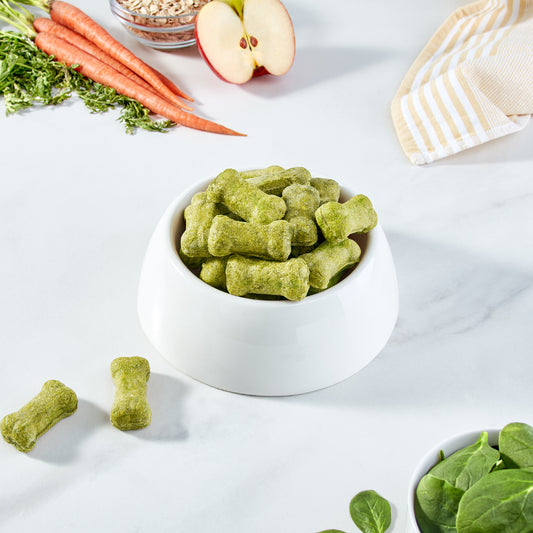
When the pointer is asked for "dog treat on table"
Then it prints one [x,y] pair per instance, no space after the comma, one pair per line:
[329,260]
[268,241]
[244,199]
[198,217]
[302,202]
[338,221]
[214,272]
[275,182]
[328,189]
[245,275]
[130,409]
[247,174]
[25,426]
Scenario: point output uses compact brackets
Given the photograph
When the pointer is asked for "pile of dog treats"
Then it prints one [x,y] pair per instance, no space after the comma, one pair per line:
[273,232]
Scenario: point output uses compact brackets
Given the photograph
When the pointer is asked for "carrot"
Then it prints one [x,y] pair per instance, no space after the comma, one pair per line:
[98,71]
[44,24]
[75,19]
[172,86]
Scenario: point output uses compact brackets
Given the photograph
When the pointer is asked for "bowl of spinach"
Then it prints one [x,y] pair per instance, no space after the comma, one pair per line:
[478,482]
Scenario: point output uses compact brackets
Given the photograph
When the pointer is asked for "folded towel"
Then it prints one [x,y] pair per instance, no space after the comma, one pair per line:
[472,83]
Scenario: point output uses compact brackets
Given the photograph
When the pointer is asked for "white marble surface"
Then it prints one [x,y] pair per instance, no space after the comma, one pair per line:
[78,203]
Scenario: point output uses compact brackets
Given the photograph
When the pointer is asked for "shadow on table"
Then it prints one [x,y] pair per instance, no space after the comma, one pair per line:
[314,65]
[166,397]
[61,443]
[459,314]
[394,516]
[513,147]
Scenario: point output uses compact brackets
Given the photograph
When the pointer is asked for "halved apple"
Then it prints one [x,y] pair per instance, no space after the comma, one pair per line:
[240,39]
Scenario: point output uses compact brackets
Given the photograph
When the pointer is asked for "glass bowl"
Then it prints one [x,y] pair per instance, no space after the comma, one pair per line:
[162,32]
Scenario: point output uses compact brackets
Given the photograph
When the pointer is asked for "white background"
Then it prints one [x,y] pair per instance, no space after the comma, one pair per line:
[79,200]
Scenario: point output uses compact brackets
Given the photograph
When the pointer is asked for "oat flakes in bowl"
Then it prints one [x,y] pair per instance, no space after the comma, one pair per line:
[164,24]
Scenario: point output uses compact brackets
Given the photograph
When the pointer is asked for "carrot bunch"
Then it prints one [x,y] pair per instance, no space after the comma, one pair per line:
[73,38]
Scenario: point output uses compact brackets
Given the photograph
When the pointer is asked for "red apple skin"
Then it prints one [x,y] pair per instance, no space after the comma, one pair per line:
[259,71]
[204,56]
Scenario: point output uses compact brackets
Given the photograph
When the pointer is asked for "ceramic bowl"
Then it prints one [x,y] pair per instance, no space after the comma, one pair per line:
[258,347]
[162,32]
[448,446]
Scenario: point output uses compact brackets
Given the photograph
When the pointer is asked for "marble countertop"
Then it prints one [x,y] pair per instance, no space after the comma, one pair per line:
[79,202]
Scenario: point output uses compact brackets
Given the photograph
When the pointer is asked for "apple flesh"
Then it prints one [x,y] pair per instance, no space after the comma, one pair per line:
[240,39]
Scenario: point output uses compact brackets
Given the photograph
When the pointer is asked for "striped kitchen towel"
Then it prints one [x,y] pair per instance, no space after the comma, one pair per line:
[472,83]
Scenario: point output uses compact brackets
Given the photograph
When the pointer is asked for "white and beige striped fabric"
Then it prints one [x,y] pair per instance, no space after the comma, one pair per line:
[472,83]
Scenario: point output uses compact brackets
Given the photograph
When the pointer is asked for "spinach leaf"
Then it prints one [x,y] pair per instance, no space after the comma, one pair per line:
[500,465]
[439,492]
[436,505]
[467,465]
[370,512]
[499,502]
[516,445]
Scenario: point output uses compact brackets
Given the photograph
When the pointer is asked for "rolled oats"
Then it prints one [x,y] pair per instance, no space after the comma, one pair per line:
[163,8]
[161,14]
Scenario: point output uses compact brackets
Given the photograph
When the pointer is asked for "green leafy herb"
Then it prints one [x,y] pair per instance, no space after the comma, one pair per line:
[370,512]
[30,77]
[464,467]
[499,502]
[481,489]
[15,14]
[436,505]
[439,492]
[516,445]
[500,465]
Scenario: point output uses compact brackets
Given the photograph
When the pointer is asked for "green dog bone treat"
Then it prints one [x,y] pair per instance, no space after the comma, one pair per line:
[247,174]
[302,202]
[329,260]
[328,189]
[303,231]
[338,221]
[297,251]
[245,275]
[275,182]
[214,272]
[25,426]
[267,241]
[198,217]
[199,198]
[130,409]
[192,263]
[245,199]
[270,297]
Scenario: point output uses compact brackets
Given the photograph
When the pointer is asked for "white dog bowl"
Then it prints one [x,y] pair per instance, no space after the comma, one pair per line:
[431,458]
[258,347]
